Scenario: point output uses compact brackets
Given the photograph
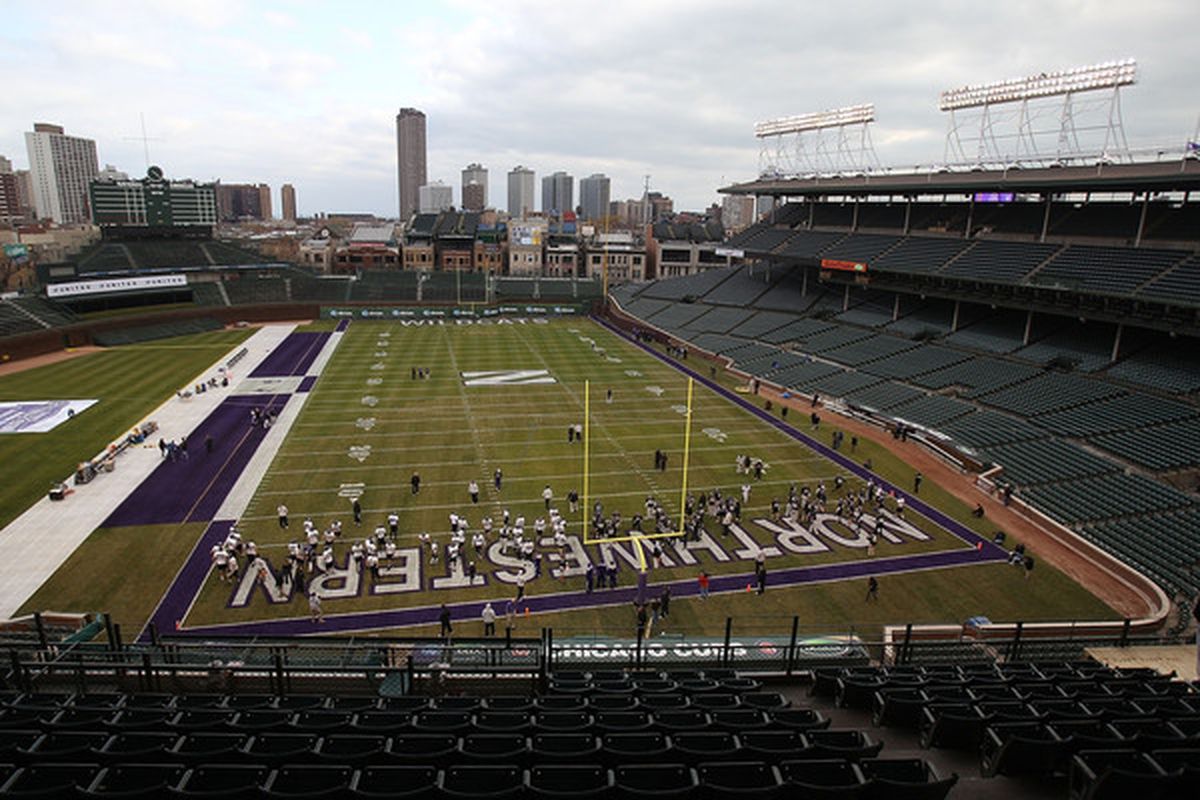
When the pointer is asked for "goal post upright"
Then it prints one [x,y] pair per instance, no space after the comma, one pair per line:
[587,443]
[687,449]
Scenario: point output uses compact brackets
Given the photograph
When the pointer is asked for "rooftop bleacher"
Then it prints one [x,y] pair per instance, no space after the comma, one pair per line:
[796,330]
[824,341]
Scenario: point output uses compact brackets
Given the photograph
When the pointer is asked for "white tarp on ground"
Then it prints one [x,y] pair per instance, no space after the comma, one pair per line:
[38,416]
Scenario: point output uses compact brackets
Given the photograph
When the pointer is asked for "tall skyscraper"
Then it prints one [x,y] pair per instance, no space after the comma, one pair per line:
[62,167]
[520,191]
[478,175]
[287,198]
[594,193]
[558,193]
[434,197]
[410,159]
[264,201]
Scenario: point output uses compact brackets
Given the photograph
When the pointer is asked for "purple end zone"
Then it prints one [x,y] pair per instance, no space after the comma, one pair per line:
[193,490]
[306,384]
[341,326]
[293,356]
[566,601]
[188,581]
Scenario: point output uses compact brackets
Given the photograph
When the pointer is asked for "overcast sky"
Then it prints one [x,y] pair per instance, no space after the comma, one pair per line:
[307,93]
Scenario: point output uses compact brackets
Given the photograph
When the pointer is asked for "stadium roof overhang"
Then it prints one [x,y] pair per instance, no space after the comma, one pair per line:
[1162,176]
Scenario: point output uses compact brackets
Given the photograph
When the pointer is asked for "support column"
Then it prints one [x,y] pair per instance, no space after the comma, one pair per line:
[954,319]
[803,283]
[1028,328]
[1116,350]
[854,219]
[1137,241]
[1045,220]
[812,210]
[907,215]
[846,298]
[896,308]
[970,217]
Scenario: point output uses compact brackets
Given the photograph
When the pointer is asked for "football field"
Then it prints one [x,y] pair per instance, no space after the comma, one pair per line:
[455,403]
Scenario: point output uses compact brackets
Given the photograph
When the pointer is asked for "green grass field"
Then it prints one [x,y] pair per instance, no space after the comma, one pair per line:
[451,433]
[129,382]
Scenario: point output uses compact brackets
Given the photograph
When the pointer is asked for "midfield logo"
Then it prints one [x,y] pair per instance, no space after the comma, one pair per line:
[507,377]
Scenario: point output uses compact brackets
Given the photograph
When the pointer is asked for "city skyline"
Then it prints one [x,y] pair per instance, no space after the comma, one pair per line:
[269,103]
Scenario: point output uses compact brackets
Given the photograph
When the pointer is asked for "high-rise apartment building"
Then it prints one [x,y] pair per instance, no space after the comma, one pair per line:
[410,159]
[558,193]
[287,199]
[475,174]
[520,191]
[62,167]
[10,192]
[434,197]
[242,201]
[594,192]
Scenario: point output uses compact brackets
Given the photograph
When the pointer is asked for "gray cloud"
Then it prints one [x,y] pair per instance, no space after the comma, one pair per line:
[629,88]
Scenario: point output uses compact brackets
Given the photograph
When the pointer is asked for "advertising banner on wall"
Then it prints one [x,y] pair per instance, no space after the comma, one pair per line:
[452,313]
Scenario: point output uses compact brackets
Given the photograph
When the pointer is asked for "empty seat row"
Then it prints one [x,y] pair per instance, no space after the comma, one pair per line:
[891,778]
[1037,748]
[30,747]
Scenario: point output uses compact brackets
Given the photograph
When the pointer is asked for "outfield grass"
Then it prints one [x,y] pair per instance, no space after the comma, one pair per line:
[129,381]
[451,433]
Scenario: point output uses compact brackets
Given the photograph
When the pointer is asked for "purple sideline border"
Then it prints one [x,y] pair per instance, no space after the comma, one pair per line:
[723,584]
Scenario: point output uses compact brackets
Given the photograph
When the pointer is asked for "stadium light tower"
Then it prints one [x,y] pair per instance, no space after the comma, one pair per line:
[823,142]
[1006,120]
